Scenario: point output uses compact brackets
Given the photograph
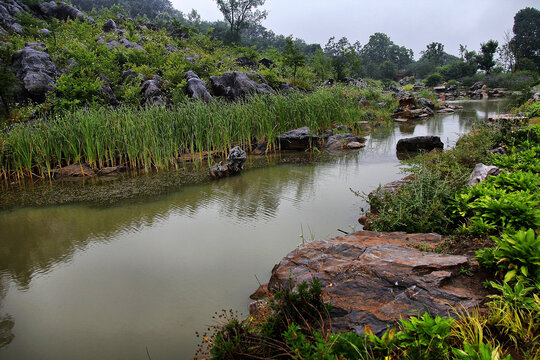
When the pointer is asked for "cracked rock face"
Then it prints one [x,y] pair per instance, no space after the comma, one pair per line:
[374,279]
[36,71]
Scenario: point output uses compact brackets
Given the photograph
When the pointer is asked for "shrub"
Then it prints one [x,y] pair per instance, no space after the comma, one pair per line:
[425,337]
[434,79]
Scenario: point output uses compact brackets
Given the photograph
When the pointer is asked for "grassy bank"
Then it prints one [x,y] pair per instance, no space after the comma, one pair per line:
[155,137]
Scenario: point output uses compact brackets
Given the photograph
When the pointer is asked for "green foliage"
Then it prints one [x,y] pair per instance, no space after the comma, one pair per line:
[526,40]
[481,351]
[518,255]
[240,14]
[425,337]
[292,57]
[421,205]
[433,79]
[485,58]
[486,208]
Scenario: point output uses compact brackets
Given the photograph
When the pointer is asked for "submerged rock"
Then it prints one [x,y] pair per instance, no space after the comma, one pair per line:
[75,170]
[419,143]
[342,141]
[235,163]
[374,279]
[298,139]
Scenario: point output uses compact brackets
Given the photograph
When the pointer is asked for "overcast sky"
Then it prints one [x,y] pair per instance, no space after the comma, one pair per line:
[409,23]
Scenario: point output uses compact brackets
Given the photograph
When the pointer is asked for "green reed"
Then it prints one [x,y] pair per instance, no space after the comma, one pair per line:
[155,137]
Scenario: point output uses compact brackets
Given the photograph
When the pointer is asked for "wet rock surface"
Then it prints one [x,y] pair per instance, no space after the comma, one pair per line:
[62,11]
[419,143]
[233,85]
[36,71]
[342,141]
[298,139]
[234,164]
[374,279]
[481,172]
[196,88]
[75,170]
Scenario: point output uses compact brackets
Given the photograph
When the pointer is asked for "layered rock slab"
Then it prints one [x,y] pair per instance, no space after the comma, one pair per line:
[374,279]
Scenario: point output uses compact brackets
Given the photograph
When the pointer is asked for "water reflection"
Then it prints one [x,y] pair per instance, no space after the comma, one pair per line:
[151,269]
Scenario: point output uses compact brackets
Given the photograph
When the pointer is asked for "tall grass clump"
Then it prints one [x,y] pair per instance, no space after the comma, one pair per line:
[155,137]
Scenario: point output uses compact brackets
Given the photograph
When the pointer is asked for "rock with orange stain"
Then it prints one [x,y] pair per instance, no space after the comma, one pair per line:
[374,279]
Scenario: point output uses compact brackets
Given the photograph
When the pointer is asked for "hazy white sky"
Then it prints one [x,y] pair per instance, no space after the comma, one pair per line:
[410,23]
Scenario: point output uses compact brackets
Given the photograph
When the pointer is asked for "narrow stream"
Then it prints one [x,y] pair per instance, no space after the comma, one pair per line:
[113,280]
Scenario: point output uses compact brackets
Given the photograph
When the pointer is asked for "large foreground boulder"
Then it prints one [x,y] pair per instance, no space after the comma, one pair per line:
[298,139]
[36,71]
[419,143]
[196,88]
[235,163]
[233,85]
[375,279]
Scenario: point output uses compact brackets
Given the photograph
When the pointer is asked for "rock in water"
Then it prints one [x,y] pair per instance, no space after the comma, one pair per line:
[418,143]
[342,141]
[374,279]
[298,139]
[235,163]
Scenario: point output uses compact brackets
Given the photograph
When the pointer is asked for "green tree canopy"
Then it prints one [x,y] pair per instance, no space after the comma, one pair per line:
[293,57]
[485,58]
[526,40]
[239,14]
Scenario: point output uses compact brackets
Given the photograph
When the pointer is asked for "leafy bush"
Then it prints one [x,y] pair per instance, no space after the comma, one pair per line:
[485,209]
[434,79]
[425,337]
[421,205]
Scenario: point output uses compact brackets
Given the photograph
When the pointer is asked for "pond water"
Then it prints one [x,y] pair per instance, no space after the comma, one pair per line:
[107,279]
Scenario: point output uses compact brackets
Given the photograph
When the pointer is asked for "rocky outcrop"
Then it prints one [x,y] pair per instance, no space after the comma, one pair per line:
[106,93]
[235,163]
[374,279]
[8,15]
[267,63]
[151,91]
[298,139]
[233,85]
[481,172]
[109,26]
[408,108]
[419,143]
[245,62]
[62,11]
[342,142]
[196,88]
[36,71]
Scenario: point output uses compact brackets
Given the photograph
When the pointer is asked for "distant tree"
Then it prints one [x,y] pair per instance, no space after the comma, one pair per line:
[194,18]
[388,70]
[292,57]
[507,58]
[526,40]
[485,58]
[345,57]
[321,64]
[380,49]
[434,53]
[239,14]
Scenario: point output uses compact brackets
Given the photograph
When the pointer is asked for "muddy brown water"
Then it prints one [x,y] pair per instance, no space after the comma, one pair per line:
[113,269]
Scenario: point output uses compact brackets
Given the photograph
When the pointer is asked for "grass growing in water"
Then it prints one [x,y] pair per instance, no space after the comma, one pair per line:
[155,137]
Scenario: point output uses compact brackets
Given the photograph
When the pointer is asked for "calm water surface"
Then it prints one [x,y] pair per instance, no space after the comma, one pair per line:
[110,281]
